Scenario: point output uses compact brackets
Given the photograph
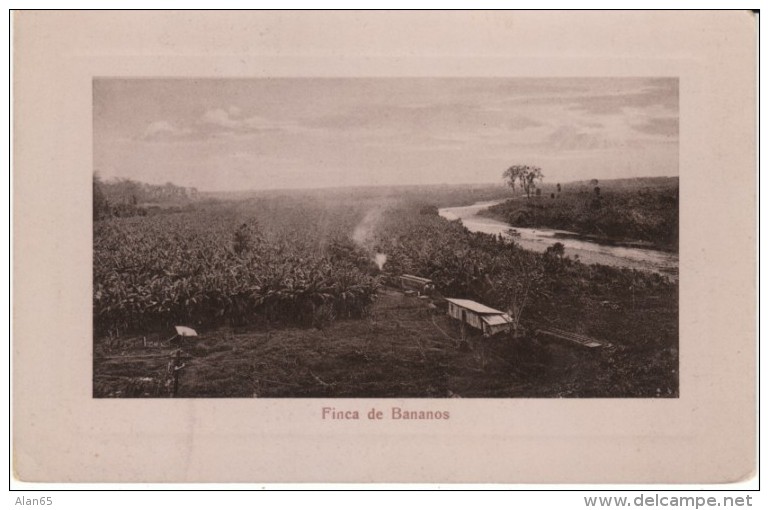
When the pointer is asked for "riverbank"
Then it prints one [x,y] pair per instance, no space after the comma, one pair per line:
[606,241]
[635,218]
[579,247]
[633,310]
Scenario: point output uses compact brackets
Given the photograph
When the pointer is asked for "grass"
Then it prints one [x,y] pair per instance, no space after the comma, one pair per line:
[402,349]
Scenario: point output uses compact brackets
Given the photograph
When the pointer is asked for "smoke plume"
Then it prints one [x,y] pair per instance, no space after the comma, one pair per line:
[364,235]
[380,259]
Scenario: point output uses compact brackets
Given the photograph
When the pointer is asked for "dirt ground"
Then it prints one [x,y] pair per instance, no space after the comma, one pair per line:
[403,348]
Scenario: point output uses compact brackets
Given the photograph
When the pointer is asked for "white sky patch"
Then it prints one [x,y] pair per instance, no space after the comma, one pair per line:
[161,127]
[219,117]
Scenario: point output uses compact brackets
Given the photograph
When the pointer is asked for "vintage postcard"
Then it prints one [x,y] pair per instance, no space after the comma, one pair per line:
[386,237]
[387,252]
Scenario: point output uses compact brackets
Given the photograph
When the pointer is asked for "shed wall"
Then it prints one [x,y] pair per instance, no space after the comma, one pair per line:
[499,328]
[471,317]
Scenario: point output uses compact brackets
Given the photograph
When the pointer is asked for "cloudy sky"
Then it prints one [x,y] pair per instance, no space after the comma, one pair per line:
[239,134]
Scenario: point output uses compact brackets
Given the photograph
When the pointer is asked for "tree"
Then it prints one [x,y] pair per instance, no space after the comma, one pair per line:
[101,207]
[524,285]
[553,258]
[246,238]
[596,202]
[525,176]
[558,186]
[429,210]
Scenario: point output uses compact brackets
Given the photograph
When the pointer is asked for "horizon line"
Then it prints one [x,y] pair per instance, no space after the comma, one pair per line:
[414,185]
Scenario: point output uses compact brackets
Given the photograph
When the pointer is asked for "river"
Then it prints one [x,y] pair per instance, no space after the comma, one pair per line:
[589,252]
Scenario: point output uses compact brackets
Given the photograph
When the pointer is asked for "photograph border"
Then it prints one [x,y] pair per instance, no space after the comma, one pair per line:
[61,434]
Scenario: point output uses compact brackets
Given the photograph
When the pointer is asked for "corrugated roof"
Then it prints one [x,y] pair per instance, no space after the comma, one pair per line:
[472,305]
[497,320]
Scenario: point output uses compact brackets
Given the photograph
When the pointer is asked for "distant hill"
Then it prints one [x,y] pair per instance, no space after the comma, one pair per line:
[622,184]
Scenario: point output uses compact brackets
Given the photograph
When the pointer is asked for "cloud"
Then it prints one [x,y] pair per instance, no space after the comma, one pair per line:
[662,126]
[572,138]
[606,97]
[216,122]
[230,120]
[657,93]
[218,117]
[163,130]
[520,122]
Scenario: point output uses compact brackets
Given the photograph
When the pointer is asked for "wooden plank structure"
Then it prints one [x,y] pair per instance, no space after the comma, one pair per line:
[479,316]
[575,338]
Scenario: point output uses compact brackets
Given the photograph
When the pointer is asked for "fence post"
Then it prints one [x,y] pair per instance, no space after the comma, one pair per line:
[175,366]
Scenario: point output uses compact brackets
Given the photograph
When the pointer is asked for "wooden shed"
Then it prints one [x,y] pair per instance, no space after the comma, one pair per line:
[481,317]
[416,283]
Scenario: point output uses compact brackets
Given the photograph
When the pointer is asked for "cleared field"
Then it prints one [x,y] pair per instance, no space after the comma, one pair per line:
[403,349]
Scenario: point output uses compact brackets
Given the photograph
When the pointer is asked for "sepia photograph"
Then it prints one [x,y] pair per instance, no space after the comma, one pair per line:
[385,237]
